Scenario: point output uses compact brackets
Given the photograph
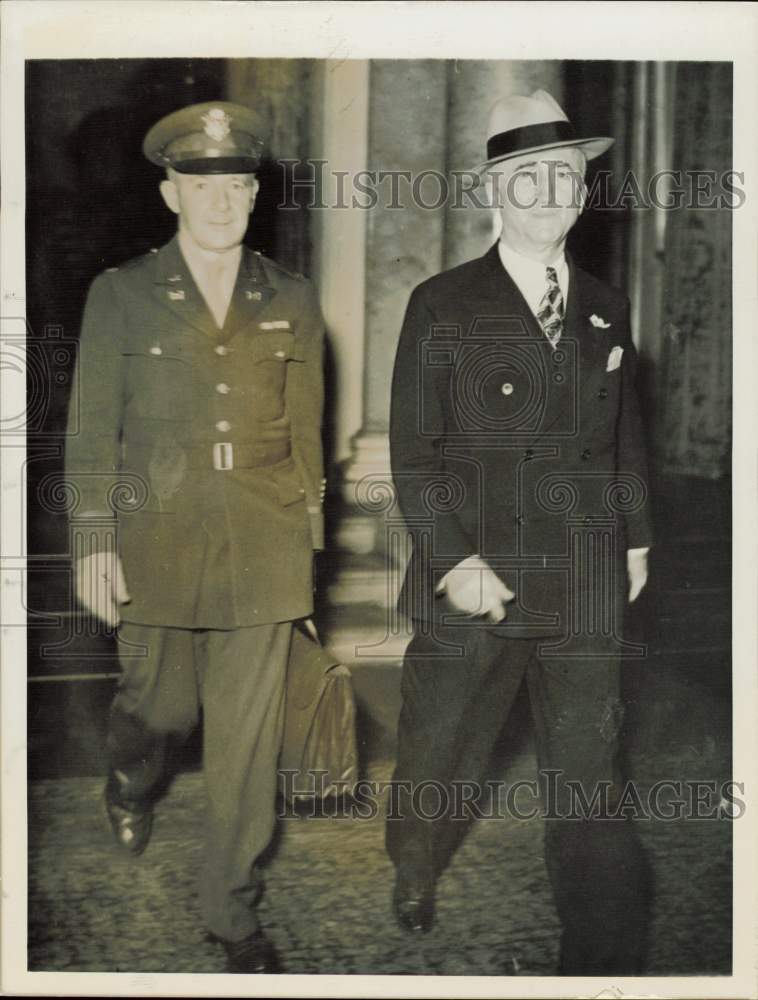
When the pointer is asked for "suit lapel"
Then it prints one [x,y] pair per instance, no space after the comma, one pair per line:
[589,341]
[252,293]
[505,299]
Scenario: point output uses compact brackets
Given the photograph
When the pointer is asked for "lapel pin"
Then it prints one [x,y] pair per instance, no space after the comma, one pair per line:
[598,321]
[177,295]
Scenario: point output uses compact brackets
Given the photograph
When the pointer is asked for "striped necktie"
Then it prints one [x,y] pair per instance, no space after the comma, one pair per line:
[550,312]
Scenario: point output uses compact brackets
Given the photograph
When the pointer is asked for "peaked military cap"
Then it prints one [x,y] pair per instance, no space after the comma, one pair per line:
[216,137]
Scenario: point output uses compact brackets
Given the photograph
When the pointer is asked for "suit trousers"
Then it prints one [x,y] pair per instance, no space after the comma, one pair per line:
[238,678]
[453,710]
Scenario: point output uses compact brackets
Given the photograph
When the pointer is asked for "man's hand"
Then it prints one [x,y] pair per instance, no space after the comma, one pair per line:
[472,587]
[101,587]
[636,567]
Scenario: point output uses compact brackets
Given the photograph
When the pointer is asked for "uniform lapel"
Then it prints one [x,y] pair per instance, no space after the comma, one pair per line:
[252,293]
[175,288]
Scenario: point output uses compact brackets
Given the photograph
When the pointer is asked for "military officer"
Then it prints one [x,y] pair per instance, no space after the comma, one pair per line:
[513,392]
[199,421]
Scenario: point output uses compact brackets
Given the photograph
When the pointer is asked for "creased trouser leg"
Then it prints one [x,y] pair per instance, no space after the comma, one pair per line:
[156,705]
[243,686]
[597,868]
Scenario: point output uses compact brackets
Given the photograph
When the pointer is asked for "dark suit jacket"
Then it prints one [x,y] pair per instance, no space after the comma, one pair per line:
[203,547]
[507,449]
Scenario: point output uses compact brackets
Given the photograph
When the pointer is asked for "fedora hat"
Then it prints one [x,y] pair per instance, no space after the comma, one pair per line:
[519,125]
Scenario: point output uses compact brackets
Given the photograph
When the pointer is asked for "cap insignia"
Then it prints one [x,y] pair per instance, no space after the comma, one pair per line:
[217,124]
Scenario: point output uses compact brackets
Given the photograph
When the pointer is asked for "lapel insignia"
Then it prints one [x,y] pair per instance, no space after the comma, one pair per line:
[614,359]
[254,296]
[176,294]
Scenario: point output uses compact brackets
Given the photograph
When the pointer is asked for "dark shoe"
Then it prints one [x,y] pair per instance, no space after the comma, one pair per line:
[413,900]
[131,822]
[253,955]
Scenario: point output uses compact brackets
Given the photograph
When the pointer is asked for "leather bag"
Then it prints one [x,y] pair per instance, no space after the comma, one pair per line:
[319,754]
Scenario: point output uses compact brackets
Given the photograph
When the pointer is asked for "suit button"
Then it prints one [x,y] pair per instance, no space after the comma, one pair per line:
[506,388]
[603,394]
[586,454]
[528,454]
[520,519]
[223,388]
[221,350]
[223,425]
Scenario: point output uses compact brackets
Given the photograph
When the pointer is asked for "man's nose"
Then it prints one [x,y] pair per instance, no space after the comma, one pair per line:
[545,186]
[221,200]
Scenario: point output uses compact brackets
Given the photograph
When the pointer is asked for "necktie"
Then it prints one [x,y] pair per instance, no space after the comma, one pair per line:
[550,312]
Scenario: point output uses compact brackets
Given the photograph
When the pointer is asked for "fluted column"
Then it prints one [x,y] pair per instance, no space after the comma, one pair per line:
[407,132]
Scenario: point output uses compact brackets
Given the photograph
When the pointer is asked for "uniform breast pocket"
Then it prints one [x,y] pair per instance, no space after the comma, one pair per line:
[160,384]
[270,357]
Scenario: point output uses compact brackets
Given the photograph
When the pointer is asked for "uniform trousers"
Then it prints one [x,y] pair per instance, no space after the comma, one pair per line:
[453,710]
[238,678]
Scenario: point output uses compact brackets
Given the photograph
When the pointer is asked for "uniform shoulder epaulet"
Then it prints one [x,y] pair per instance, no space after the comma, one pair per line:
[280,267]
[133,262]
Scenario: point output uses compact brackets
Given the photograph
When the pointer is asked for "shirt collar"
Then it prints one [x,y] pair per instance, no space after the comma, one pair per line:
[204,264]
[529,275]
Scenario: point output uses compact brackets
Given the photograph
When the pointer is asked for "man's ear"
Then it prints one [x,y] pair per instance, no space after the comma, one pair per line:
[170,194]
[255,187]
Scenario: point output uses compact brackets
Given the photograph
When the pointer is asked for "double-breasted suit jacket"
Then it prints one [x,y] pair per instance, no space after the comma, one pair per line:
[214,436]
[529,457]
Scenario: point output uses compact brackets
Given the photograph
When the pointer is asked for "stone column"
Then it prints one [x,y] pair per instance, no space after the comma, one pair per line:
[339,149]
[474,86]
[407,132]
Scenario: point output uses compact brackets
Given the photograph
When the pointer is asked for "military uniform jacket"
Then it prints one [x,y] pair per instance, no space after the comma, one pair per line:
[206,443]
[531,458]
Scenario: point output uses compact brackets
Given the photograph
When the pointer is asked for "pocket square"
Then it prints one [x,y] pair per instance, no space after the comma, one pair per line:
[276,324]
[614,359]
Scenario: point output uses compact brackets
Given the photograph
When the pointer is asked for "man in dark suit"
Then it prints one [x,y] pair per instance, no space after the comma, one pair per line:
[200,422]
[519,465]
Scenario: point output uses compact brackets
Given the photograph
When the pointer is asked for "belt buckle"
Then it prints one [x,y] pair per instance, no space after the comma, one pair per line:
[223,456]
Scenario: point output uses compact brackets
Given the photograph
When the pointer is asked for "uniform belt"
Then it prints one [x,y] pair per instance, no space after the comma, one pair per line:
[225,455]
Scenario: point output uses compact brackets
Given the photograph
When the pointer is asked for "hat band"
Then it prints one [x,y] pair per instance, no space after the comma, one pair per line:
[529,137]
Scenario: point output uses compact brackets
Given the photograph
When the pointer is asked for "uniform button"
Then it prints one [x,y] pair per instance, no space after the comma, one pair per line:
[506,388]
[223,388]
[559,357]
[221,350]
[528,454]
[586,454]
[603,394]
[519,519]
[280,354]
[223,425]
[156,350]
[588,519]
